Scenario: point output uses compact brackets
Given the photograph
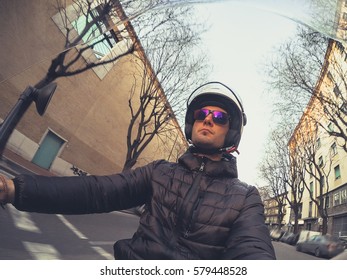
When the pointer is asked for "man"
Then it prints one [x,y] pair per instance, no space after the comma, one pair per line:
[195,209]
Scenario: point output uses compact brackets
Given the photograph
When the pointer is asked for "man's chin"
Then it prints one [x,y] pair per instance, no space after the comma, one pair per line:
[205,145]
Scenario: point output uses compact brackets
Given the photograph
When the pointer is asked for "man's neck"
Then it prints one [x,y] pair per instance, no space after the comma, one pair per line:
[214,157]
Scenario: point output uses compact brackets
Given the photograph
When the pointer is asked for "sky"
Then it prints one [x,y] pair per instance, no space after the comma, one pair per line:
[238,42]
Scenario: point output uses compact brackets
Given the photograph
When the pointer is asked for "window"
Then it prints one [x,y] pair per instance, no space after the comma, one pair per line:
[344,16]
[331,127]
[343,196]
[320,161]
[98,36]
[310,206]
[337,172]
[343,107]
[330,77]
[319,143]
[337,91]
[300,211]
[337,199]
[333,149]
[108,38]
[340,46]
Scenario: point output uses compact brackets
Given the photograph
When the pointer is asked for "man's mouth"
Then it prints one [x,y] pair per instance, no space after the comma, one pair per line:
[205,131]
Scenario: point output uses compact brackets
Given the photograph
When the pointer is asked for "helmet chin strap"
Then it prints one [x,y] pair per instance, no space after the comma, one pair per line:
[211,151]
[231,149]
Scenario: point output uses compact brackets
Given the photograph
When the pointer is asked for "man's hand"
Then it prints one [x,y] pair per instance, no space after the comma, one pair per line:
[6,191]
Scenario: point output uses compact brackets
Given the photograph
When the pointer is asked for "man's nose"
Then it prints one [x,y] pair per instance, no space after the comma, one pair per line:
[208,120]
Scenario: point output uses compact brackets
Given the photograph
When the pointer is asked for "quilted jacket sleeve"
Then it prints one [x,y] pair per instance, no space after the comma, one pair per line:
[249,238]
[83,194]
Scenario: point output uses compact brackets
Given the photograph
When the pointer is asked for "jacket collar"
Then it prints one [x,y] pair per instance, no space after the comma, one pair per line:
[225,167]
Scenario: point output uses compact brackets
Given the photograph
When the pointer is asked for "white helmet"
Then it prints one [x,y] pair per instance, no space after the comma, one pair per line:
[217,94]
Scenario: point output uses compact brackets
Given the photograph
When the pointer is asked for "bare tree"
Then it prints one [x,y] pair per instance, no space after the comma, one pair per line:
[293,167]
[294,182]
[169,65]
[166,66]
[276,185]
[265,192]
[281,169]
[172,47]
[293,73]
[272,170]
[317,168]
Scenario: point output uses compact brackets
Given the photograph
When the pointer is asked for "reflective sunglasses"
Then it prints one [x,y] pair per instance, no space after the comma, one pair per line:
[218,117]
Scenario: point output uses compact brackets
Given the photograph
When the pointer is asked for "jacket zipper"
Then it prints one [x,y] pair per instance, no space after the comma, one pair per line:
[202,166]
[197,202]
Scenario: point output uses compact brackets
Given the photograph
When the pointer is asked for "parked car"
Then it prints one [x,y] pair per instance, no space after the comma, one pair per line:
[321,246]
[289,238]
[276,234]
[343,239]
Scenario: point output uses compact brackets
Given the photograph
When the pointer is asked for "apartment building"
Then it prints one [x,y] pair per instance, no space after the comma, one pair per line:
[85,127]
[320,136]
[272,211]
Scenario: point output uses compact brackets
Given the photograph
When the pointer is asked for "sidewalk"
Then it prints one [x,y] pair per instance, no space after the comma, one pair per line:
[13,164]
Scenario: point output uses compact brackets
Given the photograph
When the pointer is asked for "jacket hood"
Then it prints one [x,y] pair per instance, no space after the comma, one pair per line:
[226,167]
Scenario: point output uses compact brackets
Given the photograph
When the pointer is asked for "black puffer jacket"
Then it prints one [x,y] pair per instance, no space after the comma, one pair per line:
[196,209]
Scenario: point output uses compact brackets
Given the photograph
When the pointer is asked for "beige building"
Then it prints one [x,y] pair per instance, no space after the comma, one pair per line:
[271,212]
[86,124]
[327,180]
[272,209]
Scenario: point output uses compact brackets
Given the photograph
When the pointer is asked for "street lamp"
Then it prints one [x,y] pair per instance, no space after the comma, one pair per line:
[41,97]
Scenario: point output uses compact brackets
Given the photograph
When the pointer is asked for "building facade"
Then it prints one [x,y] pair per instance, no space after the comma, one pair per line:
[85,127]
[320,134]
[272,209]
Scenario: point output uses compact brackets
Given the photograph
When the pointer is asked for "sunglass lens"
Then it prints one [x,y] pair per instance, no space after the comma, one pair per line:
[220,117]
[200,115]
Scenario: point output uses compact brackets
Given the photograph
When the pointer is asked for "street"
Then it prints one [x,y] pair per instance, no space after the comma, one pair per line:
[30,236]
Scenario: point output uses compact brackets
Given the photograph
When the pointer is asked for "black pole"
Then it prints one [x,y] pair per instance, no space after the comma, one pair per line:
[14,116]
[30,94]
